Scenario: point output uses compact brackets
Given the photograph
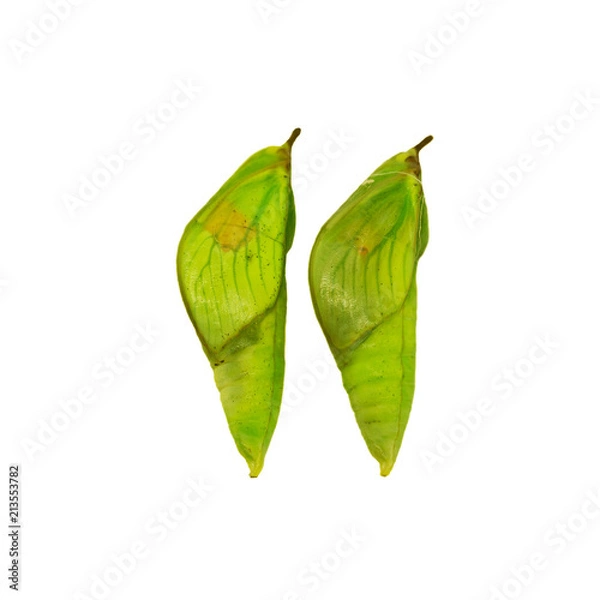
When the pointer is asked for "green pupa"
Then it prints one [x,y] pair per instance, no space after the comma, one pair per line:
[362,277]
[231,272]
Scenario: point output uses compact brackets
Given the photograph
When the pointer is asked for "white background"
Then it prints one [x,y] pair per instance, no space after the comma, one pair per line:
[75,286]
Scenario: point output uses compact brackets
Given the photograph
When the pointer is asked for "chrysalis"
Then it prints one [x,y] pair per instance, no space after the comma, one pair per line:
[362,277]
[231,271]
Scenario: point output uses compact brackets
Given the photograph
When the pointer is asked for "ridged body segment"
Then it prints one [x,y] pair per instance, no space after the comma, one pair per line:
[379,376]
[250,380]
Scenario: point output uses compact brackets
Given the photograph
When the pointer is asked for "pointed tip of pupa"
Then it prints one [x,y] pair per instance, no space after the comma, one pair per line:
[289,143]
[423,143]
[385,468]
[255,468]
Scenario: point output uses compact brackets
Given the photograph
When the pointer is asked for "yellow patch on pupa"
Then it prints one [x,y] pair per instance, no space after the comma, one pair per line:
[229,226]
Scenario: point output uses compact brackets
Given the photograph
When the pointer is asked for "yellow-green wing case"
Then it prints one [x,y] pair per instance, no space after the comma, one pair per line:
[231,271]
[362,276]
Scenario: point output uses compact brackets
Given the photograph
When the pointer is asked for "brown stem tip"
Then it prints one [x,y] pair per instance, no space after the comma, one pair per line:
[293,137]
[423,143]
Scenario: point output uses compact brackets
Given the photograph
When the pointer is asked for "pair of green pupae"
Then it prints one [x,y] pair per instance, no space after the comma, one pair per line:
[362,275]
